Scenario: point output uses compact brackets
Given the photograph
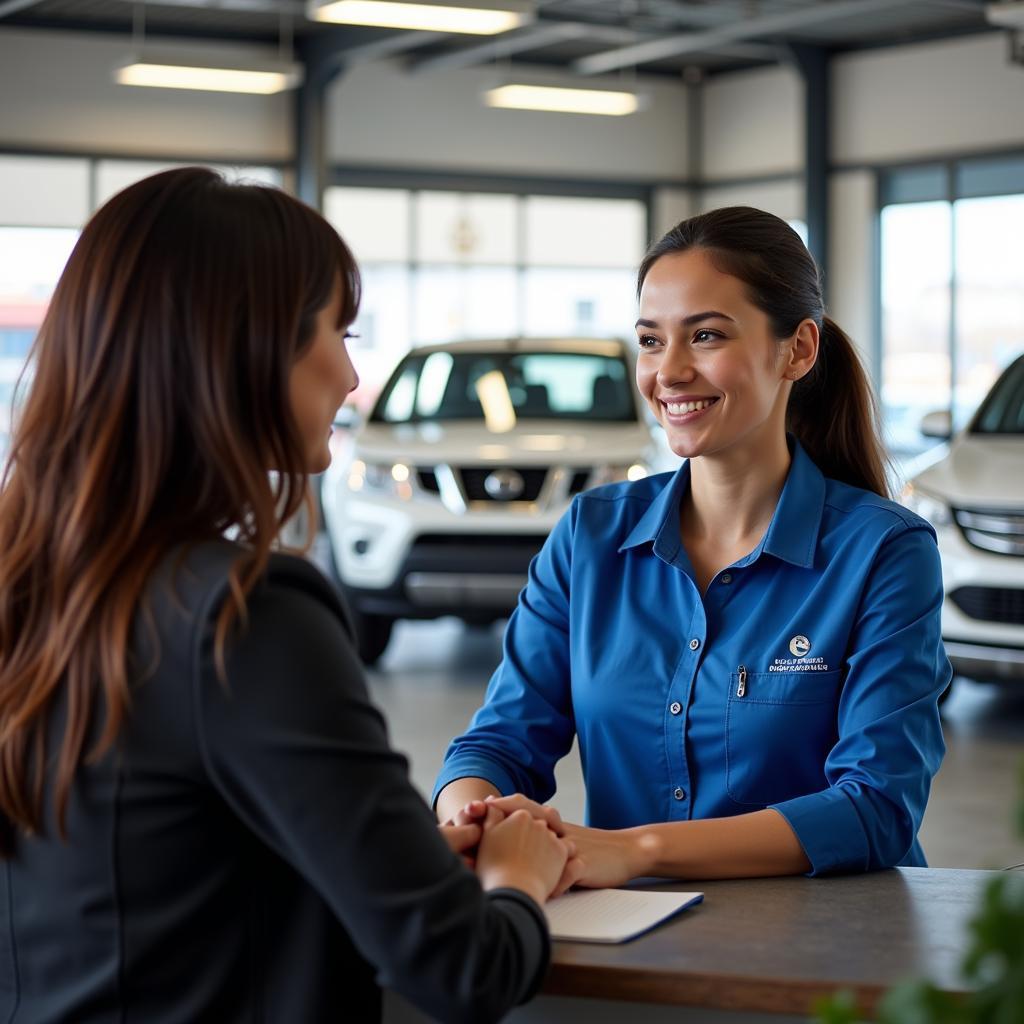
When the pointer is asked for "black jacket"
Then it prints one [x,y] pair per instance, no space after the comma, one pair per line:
[253,852]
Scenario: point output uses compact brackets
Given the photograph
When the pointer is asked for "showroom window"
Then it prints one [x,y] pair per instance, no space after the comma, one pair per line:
[44,201]
[443,265]
[952,290]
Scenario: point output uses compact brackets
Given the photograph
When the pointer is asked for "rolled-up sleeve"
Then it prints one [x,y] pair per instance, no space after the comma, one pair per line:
[525,725]
[890,741]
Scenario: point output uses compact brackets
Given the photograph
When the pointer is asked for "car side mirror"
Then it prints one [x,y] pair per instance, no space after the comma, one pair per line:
[347,417]
[938,424]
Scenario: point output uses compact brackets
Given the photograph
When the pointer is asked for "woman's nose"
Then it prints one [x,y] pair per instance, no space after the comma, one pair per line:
[676,367]
[352,373]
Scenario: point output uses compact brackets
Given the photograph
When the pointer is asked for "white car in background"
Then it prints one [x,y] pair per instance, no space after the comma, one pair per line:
[973,494]
[468,458]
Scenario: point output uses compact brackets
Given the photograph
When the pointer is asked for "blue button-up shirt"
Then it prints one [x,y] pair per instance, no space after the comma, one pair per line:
[805,679]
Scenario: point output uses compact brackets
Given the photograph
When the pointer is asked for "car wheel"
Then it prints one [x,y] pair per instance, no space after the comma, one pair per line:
[372,635]
[373,632]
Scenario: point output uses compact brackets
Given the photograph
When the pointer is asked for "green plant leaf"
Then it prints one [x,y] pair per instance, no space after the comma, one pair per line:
[838,1009]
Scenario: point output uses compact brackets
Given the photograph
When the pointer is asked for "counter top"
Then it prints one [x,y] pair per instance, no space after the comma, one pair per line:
[776,945]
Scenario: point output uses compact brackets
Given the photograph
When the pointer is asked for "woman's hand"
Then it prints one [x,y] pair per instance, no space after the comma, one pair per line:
[487,813]
[518,802]
[521,852]
[478,812]
[601,858]
[462,839]
[609,857]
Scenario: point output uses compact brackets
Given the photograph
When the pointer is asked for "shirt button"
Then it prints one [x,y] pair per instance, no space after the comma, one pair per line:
[694,644]
[679,792]
[675,707]
[725,577]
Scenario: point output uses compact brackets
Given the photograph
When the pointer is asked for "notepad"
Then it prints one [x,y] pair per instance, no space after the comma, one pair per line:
[612,915]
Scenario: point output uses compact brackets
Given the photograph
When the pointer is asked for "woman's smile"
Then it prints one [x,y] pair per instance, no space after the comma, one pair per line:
[683,411]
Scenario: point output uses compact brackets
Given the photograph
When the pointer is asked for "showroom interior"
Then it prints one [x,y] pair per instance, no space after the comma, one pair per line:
[889,135]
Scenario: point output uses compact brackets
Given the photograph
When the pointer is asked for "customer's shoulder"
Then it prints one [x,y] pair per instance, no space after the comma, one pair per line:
[197,578]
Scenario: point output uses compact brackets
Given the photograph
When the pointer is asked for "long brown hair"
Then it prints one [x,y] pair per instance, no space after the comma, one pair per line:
[832,410]
[159,400]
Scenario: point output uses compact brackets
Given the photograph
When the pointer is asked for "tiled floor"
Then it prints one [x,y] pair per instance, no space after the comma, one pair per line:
[433,676]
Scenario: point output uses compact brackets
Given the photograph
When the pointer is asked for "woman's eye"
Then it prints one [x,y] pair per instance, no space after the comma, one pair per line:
[705,336]
[647,341]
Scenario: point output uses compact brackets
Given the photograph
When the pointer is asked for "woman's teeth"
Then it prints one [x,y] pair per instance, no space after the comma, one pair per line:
[678,408]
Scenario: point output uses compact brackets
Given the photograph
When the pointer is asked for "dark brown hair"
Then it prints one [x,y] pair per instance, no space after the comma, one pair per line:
[159,401]
[832,410]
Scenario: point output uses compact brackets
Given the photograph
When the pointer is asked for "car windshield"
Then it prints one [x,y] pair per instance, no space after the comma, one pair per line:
[501,388]
[1002,412]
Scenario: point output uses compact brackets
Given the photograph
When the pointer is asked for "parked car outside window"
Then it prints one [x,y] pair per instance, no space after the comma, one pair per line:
[973,494]
[470,455]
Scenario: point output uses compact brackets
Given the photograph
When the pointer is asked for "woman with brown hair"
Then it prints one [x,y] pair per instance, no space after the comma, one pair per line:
[200,816]
[747,649]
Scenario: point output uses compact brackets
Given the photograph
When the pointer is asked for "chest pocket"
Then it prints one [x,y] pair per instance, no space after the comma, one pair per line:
[779,728]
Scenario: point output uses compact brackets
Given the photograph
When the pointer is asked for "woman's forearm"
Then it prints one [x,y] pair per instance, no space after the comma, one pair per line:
[457,794]
[747,846]
[758,844]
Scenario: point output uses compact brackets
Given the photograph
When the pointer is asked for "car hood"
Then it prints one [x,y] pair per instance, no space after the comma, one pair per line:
[979,472]
[541,442]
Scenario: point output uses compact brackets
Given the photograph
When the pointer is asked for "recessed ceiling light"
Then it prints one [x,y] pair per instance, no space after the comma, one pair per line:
[609,102]
[475,17]
[162,70]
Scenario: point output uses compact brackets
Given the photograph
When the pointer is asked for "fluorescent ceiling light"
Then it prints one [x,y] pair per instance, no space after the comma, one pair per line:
[475,17]
[569,101]
[164,71]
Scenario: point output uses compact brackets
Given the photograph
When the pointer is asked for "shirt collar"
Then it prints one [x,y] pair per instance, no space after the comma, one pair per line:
[792,534]
[663,511]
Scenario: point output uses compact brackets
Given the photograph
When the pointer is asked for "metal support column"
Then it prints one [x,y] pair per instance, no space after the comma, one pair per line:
[323,56]
[813,64]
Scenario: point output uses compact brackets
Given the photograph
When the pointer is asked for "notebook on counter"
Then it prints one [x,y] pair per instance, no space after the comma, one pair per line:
[612,915]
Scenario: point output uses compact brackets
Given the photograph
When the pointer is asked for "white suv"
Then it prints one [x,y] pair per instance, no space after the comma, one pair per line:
[471,453]
[973,494]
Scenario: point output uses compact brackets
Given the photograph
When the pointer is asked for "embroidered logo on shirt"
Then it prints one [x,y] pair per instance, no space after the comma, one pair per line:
[799,646]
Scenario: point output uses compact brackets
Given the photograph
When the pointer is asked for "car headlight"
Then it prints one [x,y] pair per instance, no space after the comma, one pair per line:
[613,474]
[391,479]
[926,505]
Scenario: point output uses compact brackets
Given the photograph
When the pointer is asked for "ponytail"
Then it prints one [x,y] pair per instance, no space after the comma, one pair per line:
[832,412]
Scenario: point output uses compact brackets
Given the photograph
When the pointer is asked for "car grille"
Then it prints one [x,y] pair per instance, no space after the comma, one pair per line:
[1000,531]
[473,478]
[991,604]
[428,480]
[474,489]
[579,480]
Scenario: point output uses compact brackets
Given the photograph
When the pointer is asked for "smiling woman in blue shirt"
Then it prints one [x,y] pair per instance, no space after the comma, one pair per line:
[747,649]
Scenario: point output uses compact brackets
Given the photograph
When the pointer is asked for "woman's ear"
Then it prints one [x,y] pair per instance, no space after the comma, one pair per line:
[802,353]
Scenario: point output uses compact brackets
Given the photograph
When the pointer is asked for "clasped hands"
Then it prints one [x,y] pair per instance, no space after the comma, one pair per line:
[503,835]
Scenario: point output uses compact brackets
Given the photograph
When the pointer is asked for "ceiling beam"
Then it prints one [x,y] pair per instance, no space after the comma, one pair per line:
[749,28]
[704,16]
[533,38]
[294,8]
[389,46]
[550,33]
[13,6]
